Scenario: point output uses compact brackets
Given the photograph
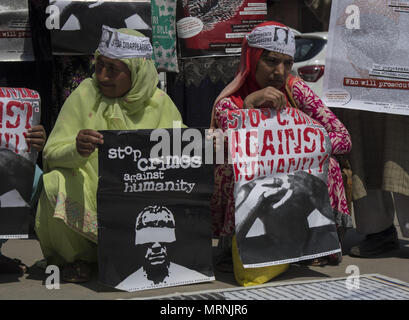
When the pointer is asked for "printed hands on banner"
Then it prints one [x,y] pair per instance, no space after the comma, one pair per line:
[278,199]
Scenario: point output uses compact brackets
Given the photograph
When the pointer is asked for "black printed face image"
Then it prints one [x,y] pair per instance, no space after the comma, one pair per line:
[156,254]
[155,231]
[156,261]
[156,245]
[106,37]
[281,35]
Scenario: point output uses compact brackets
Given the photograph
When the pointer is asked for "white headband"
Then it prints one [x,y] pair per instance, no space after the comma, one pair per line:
[273,38]
[117,45]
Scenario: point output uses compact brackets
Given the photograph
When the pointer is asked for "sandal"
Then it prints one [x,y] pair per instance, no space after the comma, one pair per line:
[8,265]
[319,262]
[332,259]
[77,272]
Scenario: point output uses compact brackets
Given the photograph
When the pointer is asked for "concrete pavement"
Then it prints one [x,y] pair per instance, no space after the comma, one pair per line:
[32,285]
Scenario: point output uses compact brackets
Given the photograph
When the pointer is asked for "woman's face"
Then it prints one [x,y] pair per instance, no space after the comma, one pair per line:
[273,69]
[113,77]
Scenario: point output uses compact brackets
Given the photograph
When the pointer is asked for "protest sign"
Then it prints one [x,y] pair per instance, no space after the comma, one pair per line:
[282,208]
[19,111]
[366,63]
[15,34]
[76,25]
[211,28]
[154,226]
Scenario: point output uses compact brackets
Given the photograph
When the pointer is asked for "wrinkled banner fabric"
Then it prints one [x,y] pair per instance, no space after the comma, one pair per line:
[282,208]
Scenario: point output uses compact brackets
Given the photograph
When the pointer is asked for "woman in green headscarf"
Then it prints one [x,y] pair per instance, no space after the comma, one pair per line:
[121,95]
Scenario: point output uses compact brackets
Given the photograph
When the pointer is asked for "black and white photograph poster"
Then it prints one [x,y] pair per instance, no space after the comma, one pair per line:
[282,207]
[15,33]
[76,25]
[154,224]
[19,111]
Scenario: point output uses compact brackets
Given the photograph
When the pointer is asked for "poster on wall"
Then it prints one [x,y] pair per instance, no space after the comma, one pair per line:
[282,207]
[164,35]
[367,66]
[75,25]
[154,225]
[15,33]
[211,28]
[19,111]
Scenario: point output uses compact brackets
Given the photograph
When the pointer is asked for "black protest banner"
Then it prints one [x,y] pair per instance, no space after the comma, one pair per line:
[76,25]
[19,111]
[282,208]
[154,225]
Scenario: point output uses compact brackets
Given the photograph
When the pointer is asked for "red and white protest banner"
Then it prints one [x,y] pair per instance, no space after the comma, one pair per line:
[19,111]
[282,209]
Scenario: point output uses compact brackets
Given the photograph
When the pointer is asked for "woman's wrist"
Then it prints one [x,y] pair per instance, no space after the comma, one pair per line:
[247,104]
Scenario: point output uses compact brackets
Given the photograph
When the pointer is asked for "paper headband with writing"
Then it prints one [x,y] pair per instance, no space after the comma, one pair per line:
[273,38]
[117,45]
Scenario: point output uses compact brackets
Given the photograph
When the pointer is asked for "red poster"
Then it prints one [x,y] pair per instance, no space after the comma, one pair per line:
[217,27]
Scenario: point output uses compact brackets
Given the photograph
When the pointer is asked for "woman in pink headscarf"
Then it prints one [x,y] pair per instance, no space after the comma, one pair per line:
[264,80]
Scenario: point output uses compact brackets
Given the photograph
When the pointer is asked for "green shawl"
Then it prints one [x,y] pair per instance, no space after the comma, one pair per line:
[70,181]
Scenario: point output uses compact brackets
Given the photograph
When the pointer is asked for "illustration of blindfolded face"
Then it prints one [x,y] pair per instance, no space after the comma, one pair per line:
[156,253]
[155,230]
[155,242]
